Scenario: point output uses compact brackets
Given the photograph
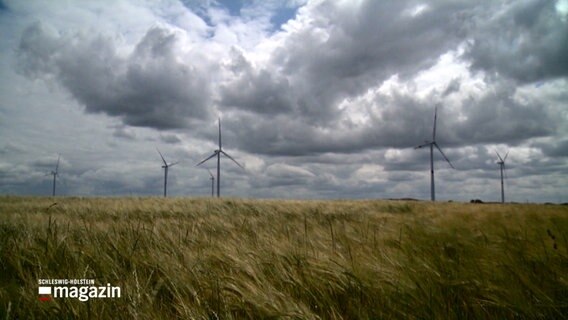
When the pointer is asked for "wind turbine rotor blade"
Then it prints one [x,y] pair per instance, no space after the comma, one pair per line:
[448,160]
[211,174]
[211,156]
[506,155]
[435,118]
[57,165]
[219,133]
[235,161]
[161,156]
[423,145]
[499,156]
[173,164]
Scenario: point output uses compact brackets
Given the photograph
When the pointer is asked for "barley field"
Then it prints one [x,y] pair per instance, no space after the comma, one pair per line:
[182,258]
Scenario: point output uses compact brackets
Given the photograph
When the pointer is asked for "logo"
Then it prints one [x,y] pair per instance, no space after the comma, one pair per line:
[80,289]
[44,293]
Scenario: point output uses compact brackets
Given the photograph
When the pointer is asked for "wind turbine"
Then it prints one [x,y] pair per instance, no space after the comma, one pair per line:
[502,167]
[433,144]
[55,173]
[218,153]
[212,183]
[166,166]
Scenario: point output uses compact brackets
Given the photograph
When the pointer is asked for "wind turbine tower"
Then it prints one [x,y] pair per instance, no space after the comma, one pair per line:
[212,183]
[433,144]
[501,164]
[166,166]
[218,153]
[55,173]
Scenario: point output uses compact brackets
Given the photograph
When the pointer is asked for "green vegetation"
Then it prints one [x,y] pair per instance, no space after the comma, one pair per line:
[233,259]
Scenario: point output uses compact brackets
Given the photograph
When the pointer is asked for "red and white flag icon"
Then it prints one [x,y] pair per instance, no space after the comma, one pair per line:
[44,293]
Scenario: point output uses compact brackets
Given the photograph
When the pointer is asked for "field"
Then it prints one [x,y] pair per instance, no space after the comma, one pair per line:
[255,259]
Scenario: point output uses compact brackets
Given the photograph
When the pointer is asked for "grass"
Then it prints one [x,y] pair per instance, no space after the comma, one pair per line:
[257,259]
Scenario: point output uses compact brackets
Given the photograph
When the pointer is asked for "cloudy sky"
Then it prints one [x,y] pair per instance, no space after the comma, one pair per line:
[318,99]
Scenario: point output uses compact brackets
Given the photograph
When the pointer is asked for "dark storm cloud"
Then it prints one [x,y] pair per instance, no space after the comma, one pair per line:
[346,50]
[280,174]
[556,149]
[260,91]
[555,167]
[341,53]
[370,38]
[122,132]
[403,121]
[48,162]
[496,116]
[148,88]
[170,138]
[500,118]
[453,86]
[525,40]
[288,136]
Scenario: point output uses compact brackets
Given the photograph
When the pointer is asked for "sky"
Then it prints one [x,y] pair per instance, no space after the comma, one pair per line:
[318,99]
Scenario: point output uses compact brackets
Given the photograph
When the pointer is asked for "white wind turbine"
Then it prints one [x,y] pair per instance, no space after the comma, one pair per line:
[166,166]
[218,153]
[501,164]
[433,144]
[212,183]
[55,174]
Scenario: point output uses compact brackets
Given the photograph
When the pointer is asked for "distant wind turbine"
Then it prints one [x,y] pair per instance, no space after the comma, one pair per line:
[166,167]
[212,183]
[55,173]
[218,153]
[433,144]
[501,164]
